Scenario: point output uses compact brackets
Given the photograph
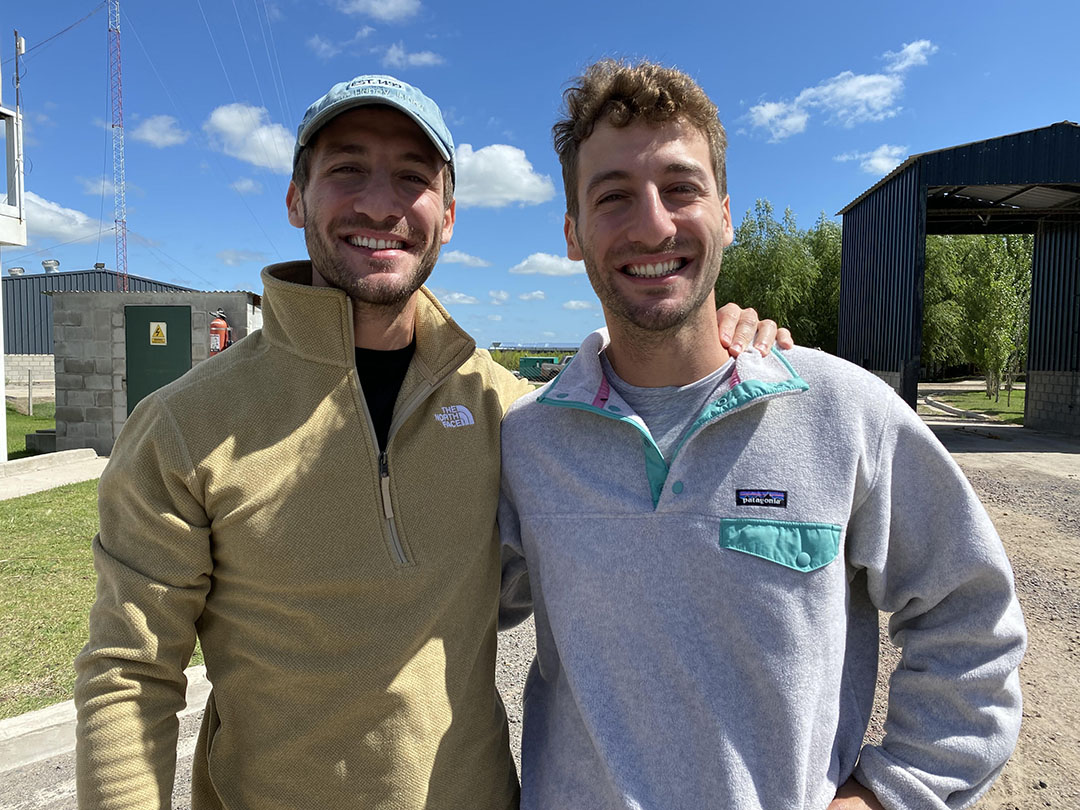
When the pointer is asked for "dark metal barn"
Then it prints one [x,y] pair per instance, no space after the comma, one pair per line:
[1028,182]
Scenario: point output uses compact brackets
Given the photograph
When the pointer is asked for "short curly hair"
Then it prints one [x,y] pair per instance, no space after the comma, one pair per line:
[621,93]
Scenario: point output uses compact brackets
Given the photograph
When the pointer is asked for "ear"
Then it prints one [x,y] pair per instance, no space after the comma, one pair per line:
[294,202]
[573,249]
[449,215]
[728,230]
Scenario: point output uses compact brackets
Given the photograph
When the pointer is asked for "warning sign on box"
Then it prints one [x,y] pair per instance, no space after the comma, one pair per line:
[158,333]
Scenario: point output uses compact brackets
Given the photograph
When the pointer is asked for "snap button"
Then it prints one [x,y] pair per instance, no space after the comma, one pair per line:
[802,560]
[615,408]
[560,396]
[677,487]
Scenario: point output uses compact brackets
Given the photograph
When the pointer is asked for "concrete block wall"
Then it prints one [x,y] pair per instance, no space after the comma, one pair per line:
[17,365]
[1052,401]
[91,355]
[891,377]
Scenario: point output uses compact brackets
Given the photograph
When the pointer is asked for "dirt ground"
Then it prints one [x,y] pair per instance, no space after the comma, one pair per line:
[1030,485]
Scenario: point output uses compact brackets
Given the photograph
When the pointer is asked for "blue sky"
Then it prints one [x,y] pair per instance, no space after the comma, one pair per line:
[819,100]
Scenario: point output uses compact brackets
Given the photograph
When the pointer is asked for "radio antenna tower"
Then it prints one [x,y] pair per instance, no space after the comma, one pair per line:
[119,183]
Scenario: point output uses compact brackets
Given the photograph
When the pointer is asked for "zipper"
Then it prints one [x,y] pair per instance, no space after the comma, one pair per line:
[399,418]
[388,508]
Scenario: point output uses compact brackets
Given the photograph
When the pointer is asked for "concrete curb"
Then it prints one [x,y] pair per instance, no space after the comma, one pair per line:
[46,461]
[941,406]
[49,732]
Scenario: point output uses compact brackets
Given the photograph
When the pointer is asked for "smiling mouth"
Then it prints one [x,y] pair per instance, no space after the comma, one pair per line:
[658,270]
[375,244]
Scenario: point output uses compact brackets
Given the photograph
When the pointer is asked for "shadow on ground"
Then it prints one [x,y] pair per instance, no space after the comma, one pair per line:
[996,438]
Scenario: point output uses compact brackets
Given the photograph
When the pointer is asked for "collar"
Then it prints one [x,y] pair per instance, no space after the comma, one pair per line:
[582,383]
[315,323]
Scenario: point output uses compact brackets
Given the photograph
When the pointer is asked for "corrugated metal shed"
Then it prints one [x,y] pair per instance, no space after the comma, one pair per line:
[1028,182]
[28,312]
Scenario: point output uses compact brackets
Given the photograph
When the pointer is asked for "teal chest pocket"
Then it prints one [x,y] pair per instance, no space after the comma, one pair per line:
[800,546]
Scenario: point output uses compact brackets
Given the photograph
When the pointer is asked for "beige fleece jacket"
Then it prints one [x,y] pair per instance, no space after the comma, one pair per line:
[346,613]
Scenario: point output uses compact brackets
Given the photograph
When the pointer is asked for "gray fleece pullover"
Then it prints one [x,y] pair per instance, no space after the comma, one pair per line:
[707,631]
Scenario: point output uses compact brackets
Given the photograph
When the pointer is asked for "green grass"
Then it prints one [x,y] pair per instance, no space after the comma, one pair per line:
[977,401]
[19,424]
[46,589]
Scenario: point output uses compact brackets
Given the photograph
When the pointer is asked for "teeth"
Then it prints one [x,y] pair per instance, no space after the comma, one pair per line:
[653,270]
[376,244]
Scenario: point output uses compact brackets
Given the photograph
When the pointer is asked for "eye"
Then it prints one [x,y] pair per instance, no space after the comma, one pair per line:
[610,197]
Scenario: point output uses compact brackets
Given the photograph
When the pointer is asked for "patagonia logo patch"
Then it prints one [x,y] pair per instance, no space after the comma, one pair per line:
[454,416]
[761,497]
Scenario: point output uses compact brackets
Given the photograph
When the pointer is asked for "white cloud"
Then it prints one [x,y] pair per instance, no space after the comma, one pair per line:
[245,185]
[397,57]
[323,48]
[847,98]
[881,161]
[911,55]
[535,295]
[460,257]
[781,118]
[548,334]
[326,49]
[234,258]
[579,305]
[852,98]
[458,298]
[49,220]
[97,187]
[494,317]
[387,10]
[546,264]
[498,175]
[246,132]
[160,131]
[499,297]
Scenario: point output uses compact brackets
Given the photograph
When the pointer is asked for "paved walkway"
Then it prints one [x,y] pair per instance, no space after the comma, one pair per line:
[25,476]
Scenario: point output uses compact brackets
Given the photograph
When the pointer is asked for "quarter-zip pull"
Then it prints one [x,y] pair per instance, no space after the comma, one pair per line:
[384,481]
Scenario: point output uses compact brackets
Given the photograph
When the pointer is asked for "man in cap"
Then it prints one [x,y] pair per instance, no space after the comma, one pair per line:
[317,506]
[708,541]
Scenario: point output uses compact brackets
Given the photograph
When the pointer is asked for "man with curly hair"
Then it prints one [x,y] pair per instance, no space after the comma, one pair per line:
[708,541]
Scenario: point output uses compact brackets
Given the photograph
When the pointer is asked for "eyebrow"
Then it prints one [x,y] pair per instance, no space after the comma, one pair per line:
[409,157]
[676,168]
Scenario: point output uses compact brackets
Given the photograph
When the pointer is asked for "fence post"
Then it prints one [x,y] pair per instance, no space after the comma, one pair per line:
[30,392]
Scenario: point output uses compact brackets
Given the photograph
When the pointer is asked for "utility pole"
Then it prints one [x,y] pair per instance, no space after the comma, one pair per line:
[119,183]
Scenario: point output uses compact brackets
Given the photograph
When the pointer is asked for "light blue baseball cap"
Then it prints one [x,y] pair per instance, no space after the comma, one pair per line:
[374,89]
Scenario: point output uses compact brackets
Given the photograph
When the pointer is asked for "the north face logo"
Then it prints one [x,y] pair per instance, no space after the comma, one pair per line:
[453,416]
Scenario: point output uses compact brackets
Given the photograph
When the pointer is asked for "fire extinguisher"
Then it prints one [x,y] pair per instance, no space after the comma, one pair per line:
[220,333]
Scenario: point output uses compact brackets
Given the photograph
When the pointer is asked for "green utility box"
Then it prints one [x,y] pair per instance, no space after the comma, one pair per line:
[158,341]
[529,367]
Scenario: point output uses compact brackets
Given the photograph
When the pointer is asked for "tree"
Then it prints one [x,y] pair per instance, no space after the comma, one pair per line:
[943,314]
[771,268]
[995,293]
[825,241]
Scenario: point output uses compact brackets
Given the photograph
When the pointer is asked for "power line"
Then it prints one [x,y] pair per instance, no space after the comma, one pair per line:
[186,118]
[268,44]
[254,73]
[95,10]
[83,238]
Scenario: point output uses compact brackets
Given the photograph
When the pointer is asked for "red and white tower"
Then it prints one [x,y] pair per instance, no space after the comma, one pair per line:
[119,188]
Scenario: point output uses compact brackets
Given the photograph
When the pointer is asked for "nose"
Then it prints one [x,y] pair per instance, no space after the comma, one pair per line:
[651,220]
[378,199]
